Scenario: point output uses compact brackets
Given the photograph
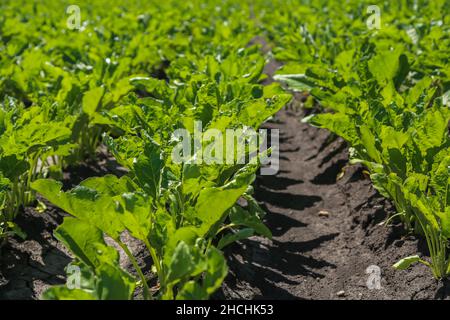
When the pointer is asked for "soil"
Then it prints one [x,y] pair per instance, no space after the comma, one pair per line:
[326,218]
[28,267]
[329,232]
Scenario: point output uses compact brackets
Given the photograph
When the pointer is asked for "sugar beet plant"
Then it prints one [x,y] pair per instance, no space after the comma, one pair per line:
[404,143]
[183,213]
[31,145]
[387,95]
[63,90]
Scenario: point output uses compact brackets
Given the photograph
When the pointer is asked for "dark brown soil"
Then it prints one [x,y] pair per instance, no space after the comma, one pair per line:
[29,267]
[326,231]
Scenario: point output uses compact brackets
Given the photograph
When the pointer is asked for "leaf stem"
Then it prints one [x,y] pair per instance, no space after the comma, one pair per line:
[147,295]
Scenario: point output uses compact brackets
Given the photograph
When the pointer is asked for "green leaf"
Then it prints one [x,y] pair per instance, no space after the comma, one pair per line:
[213,203]
[191,290]
[148,169]
[405,263]
[216,270]
[64,293]
[445,221]
[433,130]
[33,136]
[385,65]
[12,168]
[341,124]
[233,237]
[109,185]
[84,203]
[92,99]
[186,261]
[297,82]
[136,214]
[114,283]
[391,138]
[86,242]
[369,142]
[440,181]
[239,216]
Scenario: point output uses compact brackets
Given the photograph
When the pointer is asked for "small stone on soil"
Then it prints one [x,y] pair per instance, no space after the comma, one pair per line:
[341,293]
[324,213]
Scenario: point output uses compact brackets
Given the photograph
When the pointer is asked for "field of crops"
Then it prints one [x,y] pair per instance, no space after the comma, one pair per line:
[284,149]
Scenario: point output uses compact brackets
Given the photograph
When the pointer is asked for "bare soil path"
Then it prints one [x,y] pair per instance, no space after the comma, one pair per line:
[327,232]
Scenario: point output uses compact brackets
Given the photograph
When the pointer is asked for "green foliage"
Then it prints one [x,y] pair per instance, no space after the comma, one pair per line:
[384,92]
[129,80]
[135,72]
[31,146]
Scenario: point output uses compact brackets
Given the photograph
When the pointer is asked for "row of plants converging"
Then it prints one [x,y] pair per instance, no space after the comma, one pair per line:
[385,91]
[129,80]
[134,73]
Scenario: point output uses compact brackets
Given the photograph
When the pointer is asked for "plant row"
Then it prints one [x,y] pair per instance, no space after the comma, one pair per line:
[128,79]
[386,91]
